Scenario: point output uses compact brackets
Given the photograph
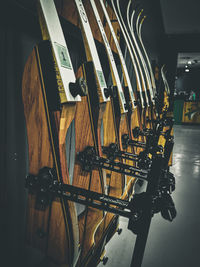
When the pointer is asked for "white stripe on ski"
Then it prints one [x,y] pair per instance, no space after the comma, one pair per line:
[131,55]
[167,89]
[134,52]
[139,32]
[93,50]
[60,49]
[120,54]
[131,28]
[111,58]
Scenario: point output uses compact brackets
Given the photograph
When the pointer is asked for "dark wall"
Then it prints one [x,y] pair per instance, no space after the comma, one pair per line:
[163,46]
[181,16]
[187,81]
[18,37]
[19,31]
[182,25]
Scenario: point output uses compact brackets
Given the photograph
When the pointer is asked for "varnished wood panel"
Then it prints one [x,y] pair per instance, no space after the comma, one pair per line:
[89,220]
[124,129]
[40,153]
[53,239]
[114,181]
[58,244]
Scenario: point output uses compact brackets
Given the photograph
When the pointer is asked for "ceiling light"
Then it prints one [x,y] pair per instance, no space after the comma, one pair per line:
[187,70]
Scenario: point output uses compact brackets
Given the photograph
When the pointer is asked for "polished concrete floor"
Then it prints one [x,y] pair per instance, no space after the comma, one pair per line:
[177,243]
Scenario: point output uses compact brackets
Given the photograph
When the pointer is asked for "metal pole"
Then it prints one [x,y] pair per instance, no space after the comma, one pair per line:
[140,243]
[141,240]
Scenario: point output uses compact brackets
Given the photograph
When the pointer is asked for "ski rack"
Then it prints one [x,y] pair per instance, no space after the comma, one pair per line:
[142,159]
[127,141]
[89,161]
[47,185]
[113,152]
[139,209]
[151,146]
[145,132]
[152,135]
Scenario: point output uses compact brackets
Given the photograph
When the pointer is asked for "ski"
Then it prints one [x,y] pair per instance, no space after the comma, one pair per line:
[137,70]
[139,33]
[134,109]
[101,114]
[130,19]
[50,92]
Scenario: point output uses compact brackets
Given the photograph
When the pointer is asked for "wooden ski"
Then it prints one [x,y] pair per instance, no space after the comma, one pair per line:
[121,121]
[50,92]
[133,109]
[94,224]
[130,19]
[136,66]
[139,32]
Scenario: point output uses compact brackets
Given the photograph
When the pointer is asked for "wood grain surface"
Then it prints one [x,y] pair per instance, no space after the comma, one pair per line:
[91,218]
[40,153]
[47,230]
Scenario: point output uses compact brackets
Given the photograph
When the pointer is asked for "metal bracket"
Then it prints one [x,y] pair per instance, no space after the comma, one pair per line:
[151,145]
[89,161]
[46,183]
[113,152]
[140,209]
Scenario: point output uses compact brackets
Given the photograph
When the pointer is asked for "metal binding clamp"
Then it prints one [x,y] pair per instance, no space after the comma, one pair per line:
[78,88]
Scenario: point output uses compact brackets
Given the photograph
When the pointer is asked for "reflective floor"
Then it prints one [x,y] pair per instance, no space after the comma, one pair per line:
[170,244]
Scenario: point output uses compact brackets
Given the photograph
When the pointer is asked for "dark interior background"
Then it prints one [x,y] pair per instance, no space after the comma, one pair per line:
[19,31]
[187,82]
[182,26]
